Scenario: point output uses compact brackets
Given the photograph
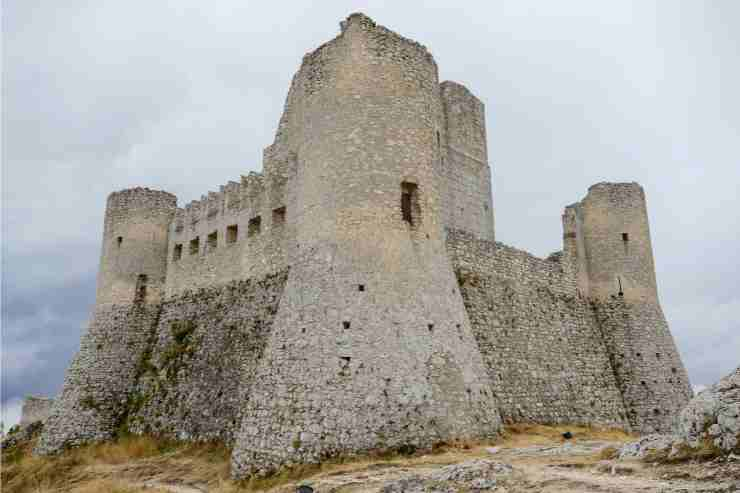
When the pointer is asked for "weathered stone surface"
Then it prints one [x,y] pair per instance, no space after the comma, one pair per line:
[351,296]
[714,414]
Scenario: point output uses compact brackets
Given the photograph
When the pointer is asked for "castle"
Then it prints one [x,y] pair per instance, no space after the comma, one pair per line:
[352,297]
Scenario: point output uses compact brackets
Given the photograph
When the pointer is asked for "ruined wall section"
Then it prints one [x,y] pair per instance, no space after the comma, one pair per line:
[207,345]
[35,409]
[540,340]
[371,347]
[100,380]
[465,188]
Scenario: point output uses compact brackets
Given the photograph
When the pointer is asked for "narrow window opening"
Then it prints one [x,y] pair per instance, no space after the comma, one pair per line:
[345,324]
[232,233]
[619,280]
[254,226]
[430,327]
[195,246]
[625,237]
[213,241]
[177,253]
[119,240]
[439,141]
[360,287]
[410,203]
[140,294]
[278,217]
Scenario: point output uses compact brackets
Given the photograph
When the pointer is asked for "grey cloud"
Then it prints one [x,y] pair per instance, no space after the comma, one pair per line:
[183,95]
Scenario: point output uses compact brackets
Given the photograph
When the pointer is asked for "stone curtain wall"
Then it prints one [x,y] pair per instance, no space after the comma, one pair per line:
[100,380]
[540,340]
[646,362]
[35,409]
[195,378]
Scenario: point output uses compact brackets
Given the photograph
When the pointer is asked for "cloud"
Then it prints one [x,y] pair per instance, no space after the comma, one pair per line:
[184,95]
[11,413]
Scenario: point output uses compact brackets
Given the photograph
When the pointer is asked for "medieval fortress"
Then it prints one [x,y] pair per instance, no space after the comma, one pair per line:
[352,296]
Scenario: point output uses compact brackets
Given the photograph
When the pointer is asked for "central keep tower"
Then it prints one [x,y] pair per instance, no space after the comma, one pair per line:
[371,346]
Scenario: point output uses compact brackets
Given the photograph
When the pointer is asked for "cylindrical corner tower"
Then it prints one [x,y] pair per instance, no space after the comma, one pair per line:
[95,399]
[622,286]
[371,346]
[133,260]
[617,235]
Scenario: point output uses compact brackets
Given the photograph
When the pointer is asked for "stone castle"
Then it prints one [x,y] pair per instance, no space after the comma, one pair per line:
[351,297]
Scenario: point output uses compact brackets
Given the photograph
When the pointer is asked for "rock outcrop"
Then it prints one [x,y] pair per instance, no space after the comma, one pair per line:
[714,414]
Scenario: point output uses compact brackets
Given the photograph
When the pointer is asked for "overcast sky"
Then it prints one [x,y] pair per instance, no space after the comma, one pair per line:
[183,95]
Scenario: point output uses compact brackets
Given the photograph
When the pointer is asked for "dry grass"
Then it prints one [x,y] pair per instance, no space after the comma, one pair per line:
[113,467]
[527,435]
[121,466]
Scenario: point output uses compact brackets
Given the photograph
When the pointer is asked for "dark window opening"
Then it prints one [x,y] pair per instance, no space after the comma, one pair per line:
[439,141]
[140,294]
[278,217]
[657,355]
[177,253]
[430,327]
[410,209]
[254,226]
[619,280]
[656,411]
[639,355]
[213,241]
[625,237]
[360,287]
[195,246]
[643,382]
[346,359]
[119,240]
[232,232]
[673,370]
[345,324]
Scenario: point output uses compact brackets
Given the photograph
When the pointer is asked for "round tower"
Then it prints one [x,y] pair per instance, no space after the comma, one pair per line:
[371,346]
[133,259]
[621,284]
[617,238]
[98,385]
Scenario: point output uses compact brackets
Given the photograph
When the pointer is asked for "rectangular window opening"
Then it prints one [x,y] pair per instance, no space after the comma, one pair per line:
[212,241]
[119,240]
[410,203]
[232,232]
[140,294]
[177,253]
[278,217]
[195,246]
[254,226]
[625,237]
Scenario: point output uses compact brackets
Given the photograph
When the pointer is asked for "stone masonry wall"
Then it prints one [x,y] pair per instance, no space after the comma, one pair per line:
[204,353]
[646,362]
[541,342]
[99,382]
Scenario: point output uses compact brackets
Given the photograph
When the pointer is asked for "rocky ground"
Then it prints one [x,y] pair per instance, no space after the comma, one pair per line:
[527,459]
